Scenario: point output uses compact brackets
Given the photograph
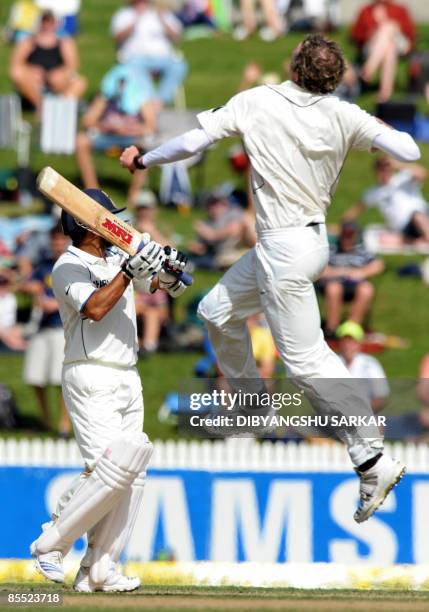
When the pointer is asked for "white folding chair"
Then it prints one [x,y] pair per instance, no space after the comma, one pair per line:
[59,124]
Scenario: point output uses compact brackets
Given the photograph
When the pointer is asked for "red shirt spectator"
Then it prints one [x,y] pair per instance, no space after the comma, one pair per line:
[367,23]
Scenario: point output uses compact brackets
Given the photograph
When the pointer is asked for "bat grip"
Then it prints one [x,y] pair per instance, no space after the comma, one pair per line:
[185,278]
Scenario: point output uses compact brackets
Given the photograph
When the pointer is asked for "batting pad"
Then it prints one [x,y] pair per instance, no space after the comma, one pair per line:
[113,532]
[122,461]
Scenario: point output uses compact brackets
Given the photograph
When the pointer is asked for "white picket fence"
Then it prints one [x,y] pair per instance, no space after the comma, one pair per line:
[236,454]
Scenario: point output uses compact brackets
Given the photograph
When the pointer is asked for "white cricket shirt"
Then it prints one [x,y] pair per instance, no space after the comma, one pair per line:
[297,143]
[370,371]
[113,340]
[397,200]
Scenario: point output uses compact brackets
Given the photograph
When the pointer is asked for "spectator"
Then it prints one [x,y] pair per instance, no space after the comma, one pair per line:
[346,278]
[10,334]
[399,198]
[23,20]
[45,353]
[274,24]
[413,426]
[219,237]
[31,249]
[254,75]
[349,88]
[67,13]
[310,15]
[45,61]
[383,31]
[196,12]
[152,308]
[145,34]
[119,116]
[264,349]
[362,366]
[423,384]
[146,211]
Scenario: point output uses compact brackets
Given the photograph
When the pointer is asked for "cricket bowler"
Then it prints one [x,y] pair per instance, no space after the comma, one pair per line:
[93,283]
[297,136]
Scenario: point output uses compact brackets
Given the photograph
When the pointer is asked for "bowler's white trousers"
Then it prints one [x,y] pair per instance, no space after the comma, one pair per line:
[276,277]
[103,402]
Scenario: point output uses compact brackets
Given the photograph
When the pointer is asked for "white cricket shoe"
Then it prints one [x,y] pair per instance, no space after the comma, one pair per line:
[375,485]
[115,582]
[50,564]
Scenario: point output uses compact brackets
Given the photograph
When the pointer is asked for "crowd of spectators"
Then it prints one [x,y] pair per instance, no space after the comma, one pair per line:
[148,77]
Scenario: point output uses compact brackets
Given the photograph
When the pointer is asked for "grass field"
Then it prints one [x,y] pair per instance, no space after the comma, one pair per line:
[238,599]
[215,70]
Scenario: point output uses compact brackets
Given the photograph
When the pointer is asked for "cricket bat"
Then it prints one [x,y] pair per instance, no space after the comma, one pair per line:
[94,216]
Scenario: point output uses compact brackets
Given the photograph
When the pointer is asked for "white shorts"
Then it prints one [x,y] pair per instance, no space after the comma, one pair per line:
[44,358]
[102,402]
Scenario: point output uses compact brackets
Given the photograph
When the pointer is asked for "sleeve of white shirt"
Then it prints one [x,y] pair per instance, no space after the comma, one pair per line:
[121,20]
[183,146]
[222,121]
[365,127]
[72,284]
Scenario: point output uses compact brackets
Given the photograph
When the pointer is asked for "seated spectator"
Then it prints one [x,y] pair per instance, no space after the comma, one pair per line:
[67,13]
[145,35]
[121,115]
[274,27]
[423,384]
[349,88]
[46,62]
[264,349]
[219,239]
[346,278]
[362,366]
[153,313]
[45,353]
[31,249]
[253,75]
[196,12]
[309,15]
[399,198]
[152,308]
[23,20]
[413,426]
[10,334]
[146,212]
[384,31]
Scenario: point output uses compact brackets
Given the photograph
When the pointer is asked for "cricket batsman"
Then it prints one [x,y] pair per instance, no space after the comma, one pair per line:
[297,136]
[93,283]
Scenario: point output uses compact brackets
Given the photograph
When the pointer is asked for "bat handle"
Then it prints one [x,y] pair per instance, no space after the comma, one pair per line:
[185,278]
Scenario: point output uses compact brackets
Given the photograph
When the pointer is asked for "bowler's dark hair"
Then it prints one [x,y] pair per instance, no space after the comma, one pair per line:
[319,64]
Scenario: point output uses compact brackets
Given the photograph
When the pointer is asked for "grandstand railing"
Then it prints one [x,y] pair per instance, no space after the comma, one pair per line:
[234,455]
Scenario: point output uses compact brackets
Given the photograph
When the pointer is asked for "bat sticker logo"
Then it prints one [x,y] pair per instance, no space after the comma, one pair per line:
[118,231]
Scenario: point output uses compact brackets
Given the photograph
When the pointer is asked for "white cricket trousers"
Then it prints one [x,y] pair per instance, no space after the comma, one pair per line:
[104,402]
[276,277]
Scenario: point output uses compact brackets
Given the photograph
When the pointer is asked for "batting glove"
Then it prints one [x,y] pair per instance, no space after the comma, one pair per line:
[168,276]
[146,263]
